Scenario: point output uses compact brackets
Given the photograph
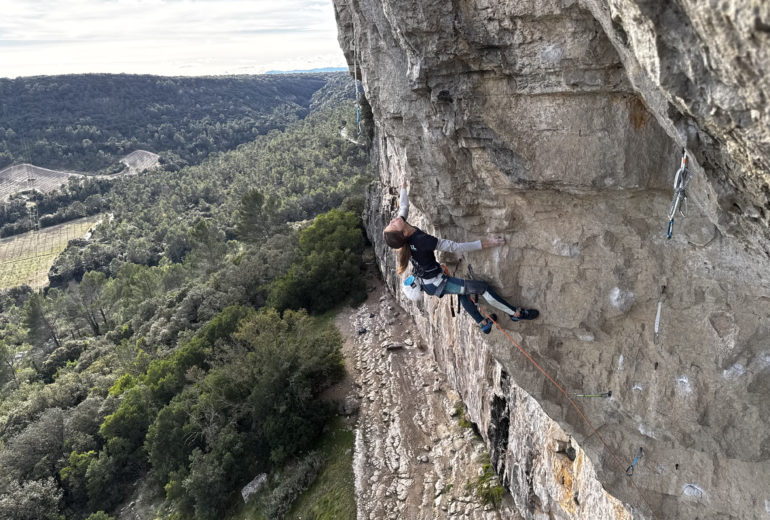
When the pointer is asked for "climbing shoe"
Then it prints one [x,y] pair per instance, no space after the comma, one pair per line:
[486,325]
[525,314]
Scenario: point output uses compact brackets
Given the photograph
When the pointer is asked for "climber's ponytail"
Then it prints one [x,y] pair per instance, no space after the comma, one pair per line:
[397,240]
[404,254]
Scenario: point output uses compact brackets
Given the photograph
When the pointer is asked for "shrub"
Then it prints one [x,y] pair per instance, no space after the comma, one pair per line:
[31,500]
[69,351]
[330,271]
[296,479]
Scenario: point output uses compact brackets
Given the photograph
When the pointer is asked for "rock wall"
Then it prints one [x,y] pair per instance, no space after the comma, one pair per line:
[414,458]
[559,124]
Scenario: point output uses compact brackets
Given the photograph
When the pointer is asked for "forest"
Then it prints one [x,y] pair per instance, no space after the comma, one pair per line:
[184,344]
[87,122]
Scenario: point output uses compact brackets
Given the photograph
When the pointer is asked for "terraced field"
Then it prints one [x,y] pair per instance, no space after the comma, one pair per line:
[140,160]
[26,258]
[24,177]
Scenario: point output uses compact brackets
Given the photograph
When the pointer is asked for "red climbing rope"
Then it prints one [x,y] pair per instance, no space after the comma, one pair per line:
[574,405]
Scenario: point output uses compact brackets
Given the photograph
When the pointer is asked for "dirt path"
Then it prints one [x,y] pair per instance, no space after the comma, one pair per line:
[412,458]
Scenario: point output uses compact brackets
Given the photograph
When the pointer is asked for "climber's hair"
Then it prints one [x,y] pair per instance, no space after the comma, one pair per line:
[397,240]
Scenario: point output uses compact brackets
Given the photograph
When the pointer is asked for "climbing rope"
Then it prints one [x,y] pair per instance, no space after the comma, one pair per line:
[574,405]
[681,179]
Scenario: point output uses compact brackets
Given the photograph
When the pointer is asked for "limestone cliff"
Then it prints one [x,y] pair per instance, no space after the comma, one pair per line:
[559,124]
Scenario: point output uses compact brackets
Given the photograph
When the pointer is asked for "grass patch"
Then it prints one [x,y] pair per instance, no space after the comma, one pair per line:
[487,486]
[332,494]
[25,259]
[462,419]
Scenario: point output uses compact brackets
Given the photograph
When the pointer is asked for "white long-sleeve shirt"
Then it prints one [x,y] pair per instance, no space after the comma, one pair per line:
[403,204]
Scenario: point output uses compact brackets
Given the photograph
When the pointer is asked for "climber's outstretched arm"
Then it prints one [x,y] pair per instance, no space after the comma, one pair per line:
[403,203]
[461,247]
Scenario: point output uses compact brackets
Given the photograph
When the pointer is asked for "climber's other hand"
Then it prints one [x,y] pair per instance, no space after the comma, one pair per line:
[493,241]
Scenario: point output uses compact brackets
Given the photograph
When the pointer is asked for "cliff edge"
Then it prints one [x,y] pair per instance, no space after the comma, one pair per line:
[559,124]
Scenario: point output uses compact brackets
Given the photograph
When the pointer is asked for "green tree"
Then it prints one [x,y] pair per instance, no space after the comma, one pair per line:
[125,429]
[208,246]
[89,301]
[35,452]
[256,216]
[294,359]
[171,438]
[41,321]
[334,230]
[31,500]
[99,515]
[73,478]
[330,271]
[104,481]
[7,364]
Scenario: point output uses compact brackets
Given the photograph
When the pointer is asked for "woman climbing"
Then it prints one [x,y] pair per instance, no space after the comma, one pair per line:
[417,247]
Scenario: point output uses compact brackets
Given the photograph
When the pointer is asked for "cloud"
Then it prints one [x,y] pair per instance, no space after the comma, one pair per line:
[166,37]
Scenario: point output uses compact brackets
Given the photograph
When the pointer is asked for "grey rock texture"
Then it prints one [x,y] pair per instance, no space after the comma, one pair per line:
[559,125]
[701,67]
[414,458]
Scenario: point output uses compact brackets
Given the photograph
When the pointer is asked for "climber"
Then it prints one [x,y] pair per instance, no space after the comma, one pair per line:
[417,247]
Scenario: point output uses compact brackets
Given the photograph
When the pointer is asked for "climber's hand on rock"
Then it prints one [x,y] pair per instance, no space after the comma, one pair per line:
[403,183]
[493,241]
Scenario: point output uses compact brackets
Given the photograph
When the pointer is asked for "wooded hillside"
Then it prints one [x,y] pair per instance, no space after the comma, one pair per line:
[180,343]
[88,122]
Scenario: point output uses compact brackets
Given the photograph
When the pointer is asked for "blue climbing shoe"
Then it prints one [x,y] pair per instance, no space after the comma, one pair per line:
[486,325]
[525,314]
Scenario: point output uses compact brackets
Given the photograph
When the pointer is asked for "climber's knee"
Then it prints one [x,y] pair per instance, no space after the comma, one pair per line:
[475,287]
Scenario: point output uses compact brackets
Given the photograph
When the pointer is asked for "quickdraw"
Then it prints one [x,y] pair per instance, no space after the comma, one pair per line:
[630,469]
[681,179]
[608,393]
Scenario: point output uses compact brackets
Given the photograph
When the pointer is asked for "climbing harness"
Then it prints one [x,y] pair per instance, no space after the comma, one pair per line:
[426,274]
[575,406]
[681,179]
[639,455]
[608,393]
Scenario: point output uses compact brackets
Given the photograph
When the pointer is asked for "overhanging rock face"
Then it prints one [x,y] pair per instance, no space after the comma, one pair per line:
[559,125]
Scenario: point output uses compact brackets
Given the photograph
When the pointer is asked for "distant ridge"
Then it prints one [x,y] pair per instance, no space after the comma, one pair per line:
[307,71]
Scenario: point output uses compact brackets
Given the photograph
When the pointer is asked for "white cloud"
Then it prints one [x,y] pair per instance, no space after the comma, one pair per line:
[172,37]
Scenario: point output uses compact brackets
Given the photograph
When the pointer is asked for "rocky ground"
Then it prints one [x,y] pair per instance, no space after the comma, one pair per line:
[413,458]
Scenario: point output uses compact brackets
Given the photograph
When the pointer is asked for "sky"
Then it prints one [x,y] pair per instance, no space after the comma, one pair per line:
[166,37]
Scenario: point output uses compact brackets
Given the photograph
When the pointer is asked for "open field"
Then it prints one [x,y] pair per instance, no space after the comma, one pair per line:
[26,177]
[26,258]
[140,160]
[23,177]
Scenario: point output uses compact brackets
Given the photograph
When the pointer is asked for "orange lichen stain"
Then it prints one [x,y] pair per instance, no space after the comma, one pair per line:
[567,502]
[638,112]
[564,473]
